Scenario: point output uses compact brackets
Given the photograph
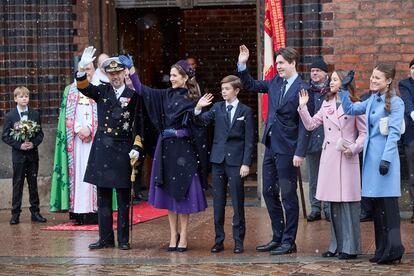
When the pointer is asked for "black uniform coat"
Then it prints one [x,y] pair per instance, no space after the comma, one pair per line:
[18,155]
[179,159]
[407,94]
[232,144]
[109,162]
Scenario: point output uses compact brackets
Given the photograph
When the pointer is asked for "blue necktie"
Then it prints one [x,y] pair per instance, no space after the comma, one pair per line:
[229,108]
[282,91]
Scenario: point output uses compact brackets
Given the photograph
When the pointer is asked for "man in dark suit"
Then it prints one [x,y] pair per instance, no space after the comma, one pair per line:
[286,141]
[25,156]
[109,161]
[231,156]
[407,93]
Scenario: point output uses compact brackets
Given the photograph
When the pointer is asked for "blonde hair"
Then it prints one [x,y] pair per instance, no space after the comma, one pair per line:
[21,90]
[233,81]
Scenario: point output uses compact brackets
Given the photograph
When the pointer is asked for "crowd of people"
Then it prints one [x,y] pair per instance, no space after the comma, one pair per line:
[101,122]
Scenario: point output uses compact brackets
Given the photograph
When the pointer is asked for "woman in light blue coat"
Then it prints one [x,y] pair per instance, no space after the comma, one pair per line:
[381,181]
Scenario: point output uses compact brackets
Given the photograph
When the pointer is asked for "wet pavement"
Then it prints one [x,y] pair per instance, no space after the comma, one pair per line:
[26,249]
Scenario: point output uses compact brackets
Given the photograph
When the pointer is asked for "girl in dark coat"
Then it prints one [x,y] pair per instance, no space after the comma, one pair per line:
[176,179]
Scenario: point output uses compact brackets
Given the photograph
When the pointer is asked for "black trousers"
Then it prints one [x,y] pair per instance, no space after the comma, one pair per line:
[409,154]
[387,228]
[223,176]
[27,169]
[280,180]
[105,221]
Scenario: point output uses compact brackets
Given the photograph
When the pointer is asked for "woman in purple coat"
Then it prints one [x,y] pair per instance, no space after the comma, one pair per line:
[177,179]
[339,181]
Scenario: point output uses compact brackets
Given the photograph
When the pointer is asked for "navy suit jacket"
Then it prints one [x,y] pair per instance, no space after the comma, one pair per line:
[232,144]
[288,135]
[407,94]
[19,155]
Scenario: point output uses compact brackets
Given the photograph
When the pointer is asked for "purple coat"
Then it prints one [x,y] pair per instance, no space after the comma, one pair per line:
[339,177]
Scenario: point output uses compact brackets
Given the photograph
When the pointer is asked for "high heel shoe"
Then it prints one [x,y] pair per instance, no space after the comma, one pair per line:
[174,248]
[329,254]
[345,256]
[182,249]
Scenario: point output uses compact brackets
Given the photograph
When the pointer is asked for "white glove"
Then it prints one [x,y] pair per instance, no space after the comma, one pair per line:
[87,57]
[134,154]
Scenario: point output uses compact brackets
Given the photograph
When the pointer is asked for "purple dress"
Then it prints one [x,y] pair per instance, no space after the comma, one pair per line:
[175,177]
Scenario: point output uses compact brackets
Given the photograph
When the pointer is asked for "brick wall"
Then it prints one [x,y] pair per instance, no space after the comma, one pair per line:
[36,51]
[303,22]
[367,32]
[214,36]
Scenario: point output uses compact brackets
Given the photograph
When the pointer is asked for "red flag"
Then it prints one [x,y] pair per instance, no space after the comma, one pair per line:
[274,39]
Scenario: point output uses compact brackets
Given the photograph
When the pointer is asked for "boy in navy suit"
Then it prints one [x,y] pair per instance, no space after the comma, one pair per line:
[231,156]
[25,156]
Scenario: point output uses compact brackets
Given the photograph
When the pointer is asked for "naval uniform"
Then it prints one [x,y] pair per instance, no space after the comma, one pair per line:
[109,163]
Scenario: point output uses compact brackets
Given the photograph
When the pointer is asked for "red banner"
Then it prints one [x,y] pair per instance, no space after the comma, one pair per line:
[274,39]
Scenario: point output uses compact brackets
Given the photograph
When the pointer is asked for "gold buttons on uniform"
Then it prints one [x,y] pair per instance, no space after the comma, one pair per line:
[109,130]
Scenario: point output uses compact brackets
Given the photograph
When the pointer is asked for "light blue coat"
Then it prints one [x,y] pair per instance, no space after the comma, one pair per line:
[378,147]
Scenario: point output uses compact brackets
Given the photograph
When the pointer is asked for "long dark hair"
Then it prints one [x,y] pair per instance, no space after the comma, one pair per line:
[351,87]
[192,85]
[389,71]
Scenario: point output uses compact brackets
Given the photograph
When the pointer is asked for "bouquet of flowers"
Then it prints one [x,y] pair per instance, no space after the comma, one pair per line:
[24,130]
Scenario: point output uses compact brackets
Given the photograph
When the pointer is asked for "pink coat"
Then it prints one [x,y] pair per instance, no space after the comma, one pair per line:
[339,177]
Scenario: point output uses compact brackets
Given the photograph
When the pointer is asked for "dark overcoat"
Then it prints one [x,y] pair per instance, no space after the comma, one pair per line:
[179,158]
[109,163]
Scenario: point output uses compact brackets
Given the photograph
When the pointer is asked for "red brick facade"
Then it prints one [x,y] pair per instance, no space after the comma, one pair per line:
[36,51]
[367,32]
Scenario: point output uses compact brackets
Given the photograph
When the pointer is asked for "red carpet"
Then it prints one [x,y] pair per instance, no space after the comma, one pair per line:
[142,212]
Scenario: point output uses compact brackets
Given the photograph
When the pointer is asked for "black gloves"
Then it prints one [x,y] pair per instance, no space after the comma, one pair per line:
[347,80]
[384,167]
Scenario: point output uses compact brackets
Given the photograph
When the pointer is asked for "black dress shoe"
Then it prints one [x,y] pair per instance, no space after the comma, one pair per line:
[217,248]
[345,256]
[365,217]
[37,217]
[374,259]
[284,249]
[100,244]
[124,246]
[267,247]
[389,262]
[238,249]
[313,216]
[15,219]
[328,254]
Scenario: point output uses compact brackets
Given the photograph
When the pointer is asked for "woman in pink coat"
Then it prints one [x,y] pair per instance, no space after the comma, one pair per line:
[339,181]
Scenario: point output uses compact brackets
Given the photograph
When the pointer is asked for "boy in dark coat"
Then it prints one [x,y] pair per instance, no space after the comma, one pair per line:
[231,156]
